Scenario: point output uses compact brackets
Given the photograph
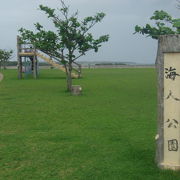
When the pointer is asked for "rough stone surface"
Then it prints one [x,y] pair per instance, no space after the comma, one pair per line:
[76,90]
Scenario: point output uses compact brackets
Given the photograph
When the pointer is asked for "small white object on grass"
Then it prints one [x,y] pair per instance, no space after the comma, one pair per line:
[157,137]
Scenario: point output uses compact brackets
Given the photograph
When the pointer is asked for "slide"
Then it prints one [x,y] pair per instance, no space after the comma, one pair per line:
[54,64]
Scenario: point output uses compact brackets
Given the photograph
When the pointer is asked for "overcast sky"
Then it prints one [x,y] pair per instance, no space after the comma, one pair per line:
[121,17]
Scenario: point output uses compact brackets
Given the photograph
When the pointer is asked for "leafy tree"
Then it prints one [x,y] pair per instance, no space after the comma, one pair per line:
[164,24]
[5,55]
[70,41]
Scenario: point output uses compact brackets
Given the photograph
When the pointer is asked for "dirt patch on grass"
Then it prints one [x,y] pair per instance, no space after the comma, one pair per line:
[1,76]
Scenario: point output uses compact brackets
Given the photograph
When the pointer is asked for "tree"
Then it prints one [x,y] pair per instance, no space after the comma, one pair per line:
[5,55]
[164,24]
[70,41]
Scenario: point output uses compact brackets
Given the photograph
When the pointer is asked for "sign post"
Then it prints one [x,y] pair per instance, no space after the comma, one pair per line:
[168,136]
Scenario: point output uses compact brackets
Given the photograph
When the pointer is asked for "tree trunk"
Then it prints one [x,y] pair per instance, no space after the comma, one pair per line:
[4,64]
[69,82]
[69,77]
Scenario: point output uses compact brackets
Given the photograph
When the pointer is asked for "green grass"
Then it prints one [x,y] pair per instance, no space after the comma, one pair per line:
[105,134]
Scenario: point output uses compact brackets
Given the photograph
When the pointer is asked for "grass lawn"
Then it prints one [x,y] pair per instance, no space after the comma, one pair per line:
[105,134]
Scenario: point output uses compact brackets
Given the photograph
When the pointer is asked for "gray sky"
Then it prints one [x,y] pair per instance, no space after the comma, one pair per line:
[121,17]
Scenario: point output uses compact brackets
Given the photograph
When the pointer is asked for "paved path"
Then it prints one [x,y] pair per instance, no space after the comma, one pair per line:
[1,76]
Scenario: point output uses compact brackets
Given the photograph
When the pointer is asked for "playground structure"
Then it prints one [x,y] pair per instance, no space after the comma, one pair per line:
[27,57]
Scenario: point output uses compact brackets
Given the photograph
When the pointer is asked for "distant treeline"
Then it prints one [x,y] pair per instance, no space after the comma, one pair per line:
[14,63]
[109,63]
[11,63]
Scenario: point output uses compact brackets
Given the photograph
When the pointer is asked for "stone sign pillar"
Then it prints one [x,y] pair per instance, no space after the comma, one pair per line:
[168,136]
